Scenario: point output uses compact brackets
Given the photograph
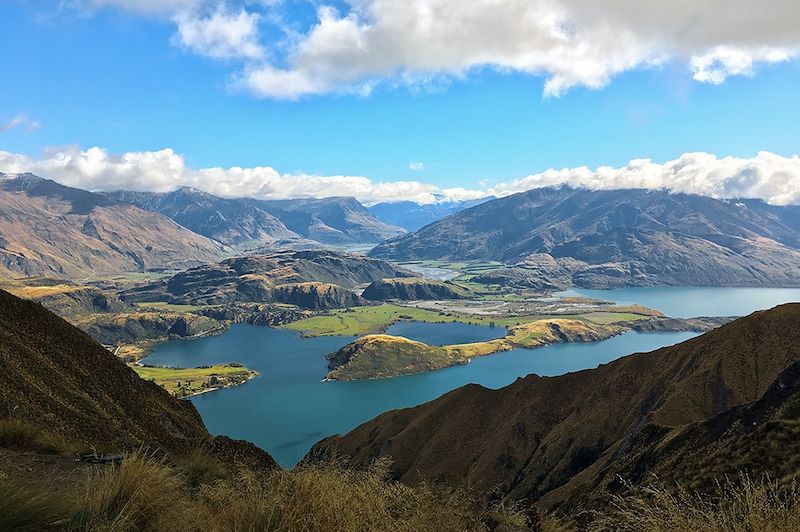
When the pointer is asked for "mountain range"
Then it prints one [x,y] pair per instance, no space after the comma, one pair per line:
[707,404]
[578,237]
[304,223]
[50,229]
[412,216]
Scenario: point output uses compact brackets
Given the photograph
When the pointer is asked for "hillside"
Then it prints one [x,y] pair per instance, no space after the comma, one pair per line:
[412,216]
[50,229]
[412,289]
[330,220]
[535,437]
[304,278]
[616,238]
[54,376]
[234,221]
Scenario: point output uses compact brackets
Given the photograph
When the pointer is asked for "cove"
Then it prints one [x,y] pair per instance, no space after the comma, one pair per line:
[287,409]
[694,301]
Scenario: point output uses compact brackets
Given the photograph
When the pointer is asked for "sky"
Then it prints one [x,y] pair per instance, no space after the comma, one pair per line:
[403,99]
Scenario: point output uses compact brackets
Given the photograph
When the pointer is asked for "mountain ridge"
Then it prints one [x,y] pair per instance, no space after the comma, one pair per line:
[47,228]
[626,237]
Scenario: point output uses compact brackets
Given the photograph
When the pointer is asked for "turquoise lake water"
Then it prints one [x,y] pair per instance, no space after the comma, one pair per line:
[288,409]
[691,301]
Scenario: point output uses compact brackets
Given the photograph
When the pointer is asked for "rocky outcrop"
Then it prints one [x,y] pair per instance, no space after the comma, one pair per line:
[412,289]
[269,279]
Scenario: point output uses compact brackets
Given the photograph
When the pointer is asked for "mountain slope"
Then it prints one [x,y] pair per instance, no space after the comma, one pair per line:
[54,376]
[538,434]
[412,216]
[231,221]
[47,228]
[330,220]
[620,237]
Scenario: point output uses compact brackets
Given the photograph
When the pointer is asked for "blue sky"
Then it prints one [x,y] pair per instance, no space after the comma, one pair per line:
[120,79]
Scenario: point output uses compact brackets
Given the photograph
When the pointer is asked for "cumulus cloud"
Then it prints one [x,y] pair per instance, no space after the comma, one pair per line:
[165,170]
[422,43]
[768,176]
[416,166]
[20,120]
[570,42]
[220,35]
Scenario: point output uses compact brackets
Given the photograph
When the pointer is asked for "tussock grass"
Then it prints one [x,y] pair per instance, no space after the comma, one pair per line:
[745,505]
[19,435]
[142,493]
[328,497]
[28,506]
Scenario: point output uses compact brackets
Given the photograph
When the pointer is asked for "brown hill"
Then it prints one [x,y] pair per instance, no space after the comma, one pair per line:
[47,228]
[538,434]
[54,376]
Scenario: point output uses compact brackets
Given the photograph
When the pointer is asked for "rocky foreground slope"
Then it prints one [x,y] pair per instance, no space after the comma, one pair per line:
[553,439]
[562,236]
[50,229]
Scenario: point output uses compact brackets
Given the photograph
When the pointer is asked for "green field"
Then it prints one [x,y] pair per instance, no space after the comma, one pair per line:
[162,305]
[359,321]
[188,381]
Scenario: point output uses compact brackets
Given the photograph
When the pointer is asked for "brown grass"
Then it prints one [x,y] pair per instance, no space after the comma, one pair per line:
[21,436]
[744,505]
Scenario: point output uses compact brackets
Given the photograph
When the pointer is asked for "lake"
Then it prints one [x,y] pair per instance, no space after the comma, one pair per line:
[691,302]
[288,409]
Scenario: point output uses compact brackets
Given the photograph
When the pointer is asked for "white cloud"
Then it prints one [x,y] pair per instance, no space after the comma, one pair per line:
[220,35]
[21,120]
[423,43]
[718,64]
[165,170]
[768,176]
[570,42]
[416,166]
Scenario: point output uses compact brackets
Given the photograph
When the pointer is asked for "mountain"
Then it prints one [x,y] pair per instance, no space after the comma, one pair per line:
[330,220]
[231,221]
[55,377]
[616,238]
[310,279]
[47,228]
[412,216]
[550,438]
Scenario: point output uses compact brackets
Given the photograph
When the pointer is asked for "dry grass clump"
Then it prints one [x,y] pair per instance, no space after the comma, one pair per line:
[142,493]
[742,506]
[329,497]
[19,435]
[28,506]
